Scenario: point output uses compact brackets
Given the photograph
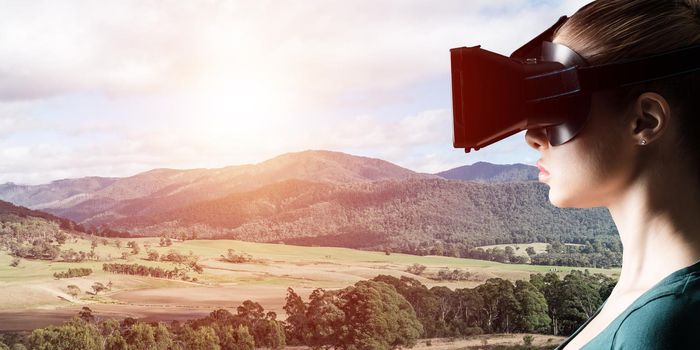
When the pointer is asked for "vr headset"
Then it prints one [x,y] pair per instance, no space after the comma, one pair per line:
[542,85]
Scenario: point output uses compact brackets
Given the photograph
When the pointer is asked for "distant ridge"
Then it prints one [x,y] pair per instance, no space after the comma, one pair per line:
[95,201]
[38,196]
[487,172]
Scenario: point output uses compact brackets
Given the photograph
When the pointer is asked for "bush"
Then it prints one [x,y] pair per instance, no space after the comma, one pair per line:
[153,255]
[454,275]
[416,269]
[232,257]
[469,331]
[98,287]
[79,272]
[165,242]
[73,290]
[135,249]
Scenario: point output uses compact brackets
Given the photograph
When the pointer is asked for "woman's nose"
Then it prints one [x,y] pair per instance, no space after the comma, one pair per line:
[537,138]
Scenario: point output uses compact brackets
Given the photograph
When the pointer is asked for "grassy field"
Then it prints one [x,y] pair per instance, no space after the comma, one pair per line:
[32,297]
[520,248]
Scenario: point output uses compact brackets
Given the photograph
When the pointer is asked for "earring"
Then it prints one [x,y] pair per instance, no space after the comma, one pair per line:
[644,142]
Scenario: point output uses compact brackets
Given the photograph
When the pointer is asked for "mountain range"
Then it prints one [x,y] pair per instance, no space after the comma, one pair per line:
[320,197]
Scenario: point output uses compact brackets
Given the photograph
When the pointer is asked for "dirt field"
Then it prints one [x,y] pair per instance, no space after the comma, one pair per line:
[475,342]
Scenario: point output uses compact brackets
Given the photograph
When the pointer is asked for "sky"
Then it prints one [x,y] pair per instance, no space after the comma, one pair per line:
[114,88]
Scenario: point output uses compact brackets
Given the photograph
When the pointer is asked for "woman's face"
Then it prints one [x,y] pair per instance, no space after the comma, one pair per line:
[594,166]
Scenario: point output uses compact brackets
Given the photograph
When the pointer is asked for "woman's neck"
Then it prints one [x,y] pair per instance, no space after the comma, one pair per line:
[658,219]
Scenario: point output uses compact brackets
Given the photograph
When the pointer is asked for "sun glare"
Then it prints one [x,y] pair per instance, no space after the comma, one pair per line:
[240,112]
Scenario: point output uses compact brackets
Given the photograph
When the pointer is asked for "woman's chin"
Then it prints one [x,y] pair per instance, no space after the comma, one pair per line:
[568,200]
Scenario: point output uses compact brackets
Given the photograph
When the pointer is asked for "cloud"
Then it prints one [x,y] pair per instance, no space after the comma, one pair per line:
[112,88]
[324,48]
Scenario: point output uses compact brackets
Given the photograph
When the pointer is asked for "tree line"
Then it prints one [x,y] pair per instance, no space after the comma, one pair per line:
[148,271]
[545,304]
[367,315]
[78,272]
[385,312]
[597,252]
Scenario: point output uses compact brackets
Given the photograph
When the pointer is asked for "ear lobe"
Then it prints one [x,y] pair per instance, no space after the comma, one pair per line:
[652,116]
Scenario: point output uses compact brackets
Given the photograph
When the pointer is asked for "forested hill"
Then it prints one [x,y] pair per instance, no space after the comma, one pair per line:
[96,201]
[391,214]
[487,172]
[324,198]
[11,212]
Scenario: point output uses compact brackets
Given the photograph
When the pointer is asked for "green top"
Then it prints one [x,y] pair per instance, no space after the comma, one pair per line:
[667,316]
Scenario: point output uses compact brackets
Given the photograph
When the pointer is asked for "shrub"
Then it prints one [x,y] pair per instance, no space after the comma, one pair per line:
[232,257]
[416,269]
[79,272]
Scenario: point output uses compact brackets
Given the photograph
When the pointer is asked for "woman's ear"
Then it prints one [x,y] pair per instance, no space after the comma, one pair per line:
[652,114]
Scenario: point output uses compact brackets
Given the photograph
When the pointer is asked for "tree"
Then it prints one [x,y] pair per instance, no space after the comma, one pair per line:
[73,290]
[416,269]
[232,257]
[500,304]
[423,301]
[144,336]
[579,298]
[325,319]
[242,340]
[165,242]
[61,238]
[74,334]
[469,311]
[115,341]
[532,312]
[377,317]
[510,252]
[135,249]
[296,323]
[86,315]
[202,338]
[237,338]
[271,334]
[98,287]
[153,255]
[530,251]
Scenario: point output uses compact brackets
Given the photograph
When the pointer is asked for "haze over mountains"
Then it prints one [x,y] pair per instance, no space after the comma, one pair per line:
[95,200]
[320,197]
[487,172]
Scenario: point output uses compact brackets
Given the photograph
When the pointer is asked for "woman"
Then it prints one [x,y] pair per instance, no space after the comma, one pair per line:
[639,156]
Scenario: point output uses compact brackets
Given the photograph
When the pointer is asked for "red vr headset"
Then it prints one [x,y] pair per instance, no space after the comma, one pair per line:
[542,85]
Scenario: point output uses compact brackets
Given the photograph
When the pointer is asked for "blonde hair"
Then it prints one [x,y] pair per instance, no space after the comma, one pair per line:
[607,31]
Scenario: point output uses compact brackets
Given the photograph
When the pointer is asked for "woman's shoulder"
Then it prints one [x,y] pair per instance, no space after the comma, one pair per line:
[667,321]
